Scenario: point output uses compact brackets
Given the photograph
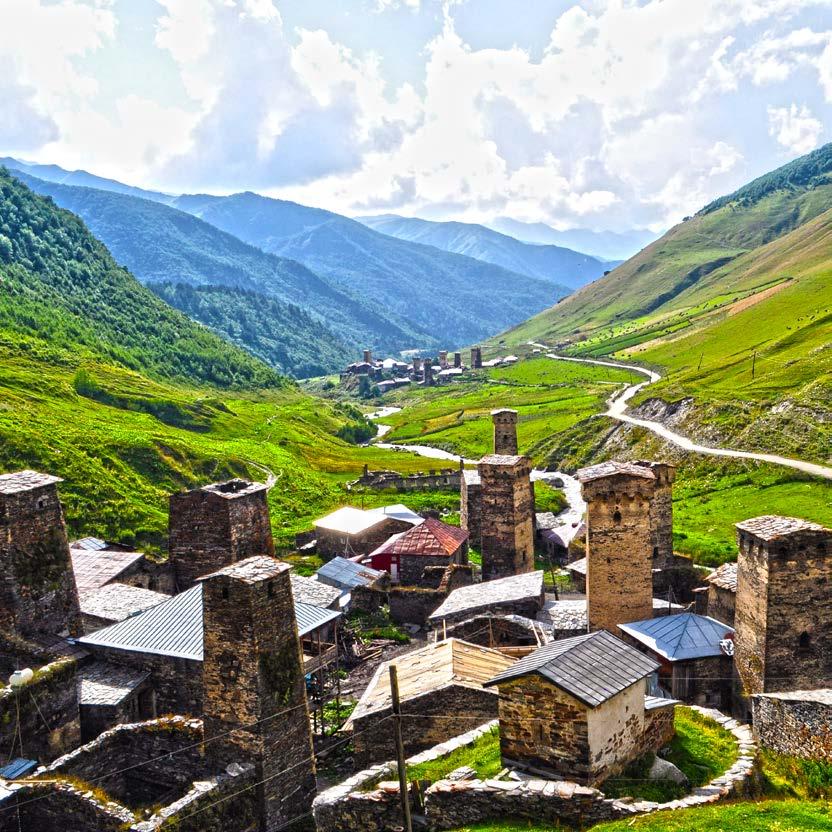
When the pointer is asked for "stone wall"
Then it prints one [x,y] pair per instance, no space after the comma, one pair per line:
[425,722]
[447,479]
[412,566]
[678,579]
[619,546]
[705,681]
[413,604]
[495,631]
[661,513]
[48,710]
[216,525]
[616,731]
[470,507]
[659,727]
[507,521]
[796,724]
[722,604]
[37,583]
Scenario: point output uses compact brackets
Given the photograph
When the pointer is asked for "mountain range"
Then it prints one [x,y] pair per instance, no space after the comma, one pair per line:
[365,288]
[546,262]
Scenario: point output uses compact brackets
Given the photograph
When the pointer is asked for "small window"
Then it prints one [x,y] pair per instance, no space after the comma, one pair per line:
[271,589]
[804,641]
[616,518]
[655,552]
[225,593]
[41,503]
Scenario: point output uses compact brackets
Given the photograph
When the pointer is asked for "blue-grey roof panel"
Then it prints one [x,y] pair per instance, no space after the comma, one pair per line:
[347,573]
[680,637]
[174,628]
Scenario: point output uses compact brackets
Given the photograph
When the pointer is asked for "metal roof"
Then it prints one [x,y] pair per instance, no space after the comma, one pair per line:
[593,668]
[349,520]
[397,511]
[347,574]
[174,628]
[431,538]
[680,637]
[19,767]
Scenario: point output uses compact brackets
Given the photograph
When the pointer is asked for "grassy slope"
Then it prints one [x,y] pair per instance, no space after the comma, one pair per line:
[549,397]
[183,407]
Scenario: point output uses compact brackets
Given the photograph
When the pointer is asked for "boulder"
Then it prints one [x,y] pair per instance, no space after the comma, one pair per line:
[664,770]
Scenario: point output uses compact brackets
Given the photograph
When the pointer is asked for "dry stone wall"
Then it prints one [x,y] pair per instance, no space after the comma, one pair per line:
[799,727]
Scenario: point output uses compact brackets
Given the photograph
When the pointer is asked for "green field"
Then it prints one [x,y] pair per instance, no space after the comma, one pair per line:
[549,396]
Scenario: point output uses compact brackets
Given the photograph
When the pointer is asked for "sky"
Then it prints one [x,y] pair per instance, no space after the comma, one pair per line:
[598,115]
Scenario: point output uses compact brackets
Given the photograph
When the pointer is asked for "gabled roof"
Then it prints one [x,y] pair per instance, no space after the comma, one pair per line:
[310,591]
[25,481]
[430,668]
[397,512]
[773,527]
[347,574]
[115,602]
[680,637]
[94,568]
[348,520]
[612,469]
[174,628]
[101,683]
[467,599]
[593,668]
[433,538]
[724,576]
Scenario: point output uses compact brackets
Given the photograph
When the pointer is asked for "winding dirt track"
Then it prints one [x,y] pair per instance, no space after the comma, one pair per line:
[618,407]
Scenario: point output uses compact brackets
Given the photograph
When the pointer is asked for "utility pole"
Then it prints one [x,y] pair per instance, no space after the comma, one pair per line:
[699,366]
[400,763]
[753,363]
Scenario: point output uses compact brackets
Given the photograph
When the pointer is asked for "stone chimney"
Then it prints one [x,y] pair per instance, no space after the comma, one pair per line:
[38,594]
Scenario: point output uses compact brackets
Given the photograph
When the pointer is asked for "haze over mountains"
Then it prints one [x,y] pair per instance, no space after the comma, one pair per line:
[364,287]
[546,262]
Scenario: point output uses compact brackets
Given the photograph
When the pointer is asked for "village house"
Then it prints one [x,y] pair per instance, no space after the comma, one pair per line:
[432,543]
[349,576]
[115,602]
[694,653]
[442,695]
[579,709]
[350,531]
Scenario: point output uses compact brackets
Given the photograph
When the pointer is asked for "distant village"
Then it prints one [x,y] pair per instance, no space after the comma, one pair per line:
[210,691]
[389,373]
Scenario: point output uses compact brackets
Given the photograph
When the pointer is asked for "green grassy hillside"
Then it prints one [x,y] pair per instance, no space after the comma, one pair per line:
[103,384]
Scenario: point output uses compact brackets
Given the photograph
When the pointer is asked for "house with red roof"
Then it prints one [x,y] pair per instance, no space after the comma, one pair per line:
[432,543]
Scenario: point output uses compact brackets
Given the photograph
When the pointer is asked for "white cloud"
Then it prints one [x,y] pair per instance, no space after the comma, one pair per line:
[824,67]
[794,127]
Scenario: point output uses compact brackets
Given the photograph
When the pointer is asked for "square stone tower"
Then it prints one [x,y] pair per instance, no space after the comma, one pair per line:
[507,516]
[457,359]
[476,358]
[428,372]
[215,525]
[443,359]
[661,512]
[783,622]
[254,685]
[38,592]
[368,356]
[470,506]
[505,431]
[619,543]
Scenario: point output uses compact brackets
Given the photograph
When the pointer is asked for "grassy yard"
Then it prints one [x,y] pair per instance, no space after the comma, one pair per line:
[483,756]
[766,816]
[701,749]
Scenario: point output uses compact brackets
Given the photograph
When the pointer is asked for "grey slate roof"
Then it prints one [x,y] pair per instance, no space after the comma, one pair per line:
[25,481]
[310,591]
[174,628]
[115,602]
[94,568]
[612,469]
[771,527]
[593,668]
[347,574]
[724,576]
[680,637]
[101,683]
[467,599]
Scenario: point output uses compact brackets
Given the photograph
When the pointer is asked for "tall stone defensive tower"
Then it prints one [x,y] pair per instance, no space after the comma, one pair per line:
[254,686]
[37,584]
[457,359]
[476,358]
[218,524]
[506,521]
[368,356]
[443,359]
[619,543]
[505,431]
[783,638]
[661,512]
[428,372]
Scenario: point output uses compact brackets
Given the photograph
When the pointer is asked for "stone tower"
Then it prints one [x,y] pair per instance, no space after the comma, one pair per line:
[470,506]
[254,686]
[443,359]
[368,356]
[215,525]
[457,359]
[428,372]
[505,431]
[783,638]
[38,592]
[506,522]
[476,358]
[619,543]
[661,512]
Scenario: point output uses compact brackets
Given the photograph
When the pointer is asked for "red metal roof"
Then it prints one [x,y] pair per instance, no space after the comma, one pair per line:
[433,537]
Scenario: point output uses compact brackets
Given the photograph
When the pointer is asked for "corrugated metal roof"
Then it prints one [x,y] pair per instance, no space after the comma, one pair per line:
[593,668]
[680,637]
[347,574]
[433,537]
[19,767]
[174,628]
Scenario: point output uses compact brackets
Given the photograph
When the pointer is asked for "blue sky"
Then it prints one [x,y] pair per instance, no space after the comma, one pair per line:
[600,115]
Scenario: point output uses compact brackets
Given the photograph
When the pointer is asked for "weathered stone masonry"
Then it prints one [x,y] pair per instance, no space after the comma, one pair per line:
[797,723]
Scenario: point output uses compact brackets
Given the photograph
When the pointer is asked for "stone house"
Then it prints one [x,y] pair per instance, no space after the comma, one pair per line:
[349,532]
[517,595]
[432,543]
[694,653]
[442,695]
[719,598]
[115,602]
[577,709]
